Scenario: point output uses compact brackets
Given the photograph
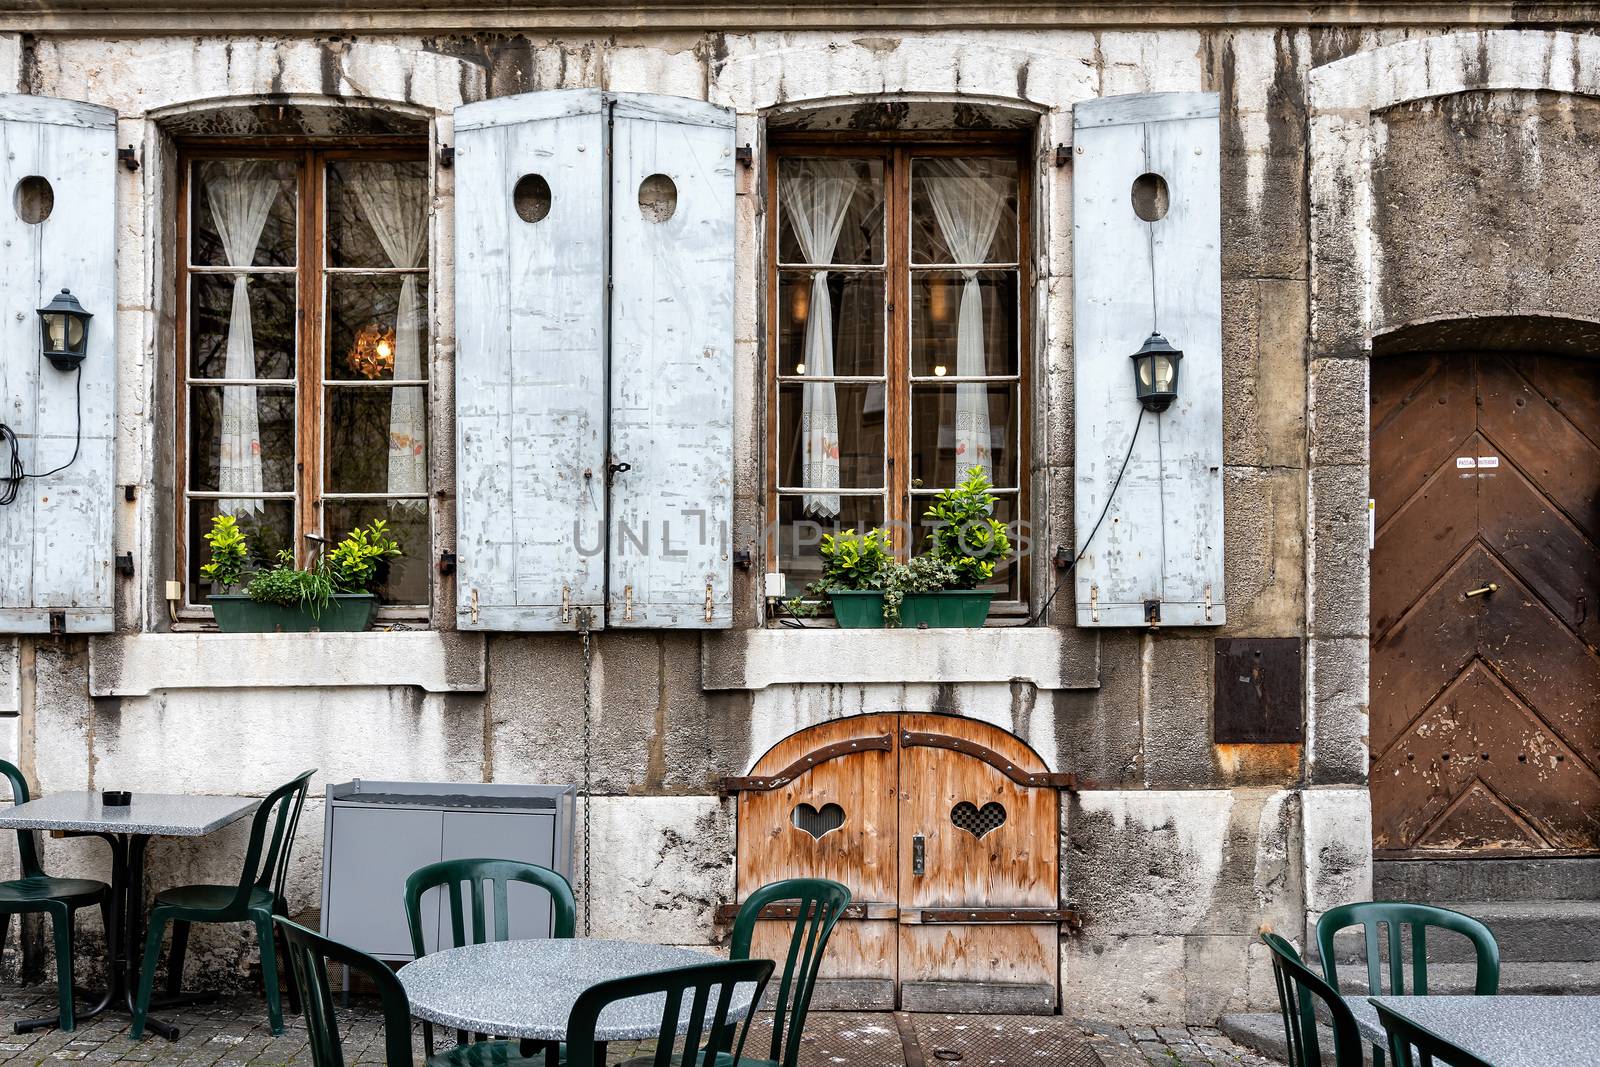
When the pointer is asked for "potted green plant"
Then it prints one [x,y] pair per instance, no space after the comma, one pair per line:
[968,542]
[334,593]
[853,567]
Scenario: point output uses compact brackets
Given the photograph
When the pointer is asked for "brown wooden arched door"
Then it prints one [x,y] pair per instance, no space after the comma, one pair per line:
[1485,690]
[946,830]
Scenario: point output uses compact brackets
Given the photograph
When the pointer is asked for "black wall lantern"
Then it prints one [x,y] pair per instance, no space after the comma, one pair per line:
[64,329]
[1155,373]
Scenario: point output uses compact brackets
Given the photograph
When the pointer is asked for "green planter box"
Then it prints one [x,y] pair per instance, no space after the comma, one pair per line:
[965,608]
[345,613]
[857,609]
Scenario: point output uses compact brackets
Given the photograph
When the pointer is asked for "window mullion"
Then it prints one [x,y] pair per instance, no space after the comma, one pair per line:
[308,355]
[898,357]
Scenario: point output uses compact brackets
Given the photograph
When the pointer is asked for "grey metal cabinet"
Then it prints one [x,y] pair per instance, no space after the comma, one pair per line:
[377,833]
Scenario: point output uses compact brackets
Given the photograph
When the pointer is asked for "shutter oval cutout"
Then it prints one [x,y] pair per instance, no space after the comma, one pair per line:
[34,199]
[531,197]
[1151,198]
[658,198]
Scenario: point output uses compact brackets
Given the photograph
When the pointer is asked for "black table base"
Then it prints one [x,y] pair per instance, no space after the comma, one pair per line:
[124,940]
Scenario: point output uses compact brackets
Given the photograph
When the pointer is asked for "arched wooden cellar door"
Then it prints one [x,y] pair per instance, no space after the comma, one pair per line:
[945,829]
[1485,605]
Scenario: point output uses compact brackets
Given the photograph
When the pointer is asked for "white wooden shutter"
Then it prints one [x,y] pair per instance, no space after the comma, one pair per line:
[530,363]
[55,539]
[671,363]
[1162,538]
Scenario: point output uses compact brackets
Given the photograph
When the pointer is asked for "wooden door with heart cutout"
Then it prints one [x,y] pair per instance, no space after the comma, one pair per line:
[822,804]
[974,845]
[951,856]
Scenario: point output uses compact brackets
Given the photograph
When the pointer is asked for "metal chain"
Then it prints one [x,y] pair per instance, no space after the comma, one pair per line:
[588,774]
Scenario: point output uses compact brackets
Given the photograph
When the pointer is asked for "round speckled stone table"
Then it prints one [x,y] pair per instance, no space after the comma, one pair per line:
[526,989]
[1510,1031]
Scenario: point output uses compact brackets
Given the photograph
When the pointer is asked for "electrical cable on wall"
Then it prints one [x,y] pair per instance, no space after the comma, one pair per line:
[11,481]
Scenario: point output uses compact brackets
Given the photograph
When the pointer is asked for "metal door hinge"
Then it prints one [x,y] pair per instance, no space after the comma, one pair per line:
[627,603]
[447,156]
[125,564]
[474,606]
[1094,603]
[566,603]
[709,607]
[1208,602]
[129,158]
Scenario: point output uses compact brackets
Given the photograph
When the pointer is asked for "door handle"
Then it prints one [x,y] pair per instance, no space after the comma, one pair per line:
[1485,591]
[919,855]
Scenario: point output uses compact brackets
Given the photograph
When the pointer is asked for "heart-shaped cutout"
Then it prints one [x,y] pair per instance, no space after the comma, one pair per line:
[816,823]
[978,821]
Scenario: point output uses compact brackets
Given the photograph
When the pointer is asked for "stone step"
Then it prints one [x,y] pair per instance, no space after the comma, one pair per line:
[1527,931]
[1426,881]
[1528,979]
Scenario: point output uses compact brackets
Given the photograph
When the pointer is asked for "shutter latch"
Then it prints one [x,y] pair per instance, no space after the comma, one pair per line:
[1094,603]
[708,602]
[566,603]
[627,602]
[1208,602]
[614,469]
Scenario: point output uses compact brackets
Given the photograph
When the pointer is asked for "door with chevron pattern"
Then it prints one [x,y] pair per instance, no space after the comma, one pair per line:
[1485,684]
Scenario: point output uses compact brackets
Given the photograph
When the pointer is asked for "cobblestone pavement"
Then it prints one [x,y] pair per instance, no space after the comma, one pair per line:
[232,1032]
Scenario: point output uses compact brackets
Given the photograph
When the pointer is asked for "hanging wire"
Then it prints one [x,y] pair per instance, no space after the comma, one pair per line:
[588,763]
[1087,541]
[11,481]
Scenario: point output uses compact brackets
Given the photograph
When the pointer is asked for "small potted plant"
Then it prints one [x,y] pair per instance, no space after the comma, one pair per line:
[853,568]
[967,542]
[334,593]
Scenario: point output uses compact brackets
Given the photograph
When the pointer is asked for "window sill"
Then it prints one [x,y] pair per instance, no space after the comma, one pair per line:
[1046,657]
[433,660]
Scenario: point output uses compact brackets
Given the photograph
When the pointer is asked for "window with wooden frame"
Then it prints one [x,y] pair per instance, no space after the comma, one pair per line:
[303,353]
[898,340]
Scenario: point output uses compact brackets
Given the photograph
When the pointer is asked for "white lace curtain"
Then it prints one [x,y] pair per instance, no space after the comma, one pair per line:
[395,205]
[815,196]
[968,205]
[240,194]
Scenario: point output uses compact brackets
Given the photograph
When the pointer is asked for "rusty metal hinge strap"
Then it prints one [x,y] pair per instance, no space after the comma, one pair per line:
[937,916]
[727,913]
[763,783]
[1050,779]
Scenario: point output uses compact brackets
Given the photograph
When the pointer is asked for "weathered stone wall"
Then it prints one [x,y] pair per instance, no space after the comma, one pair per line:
[1483,205]
[1185,849]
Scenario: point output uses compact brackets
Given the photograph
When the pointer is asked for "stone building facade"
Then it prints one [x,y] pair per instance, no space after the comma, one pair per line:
[1392,179]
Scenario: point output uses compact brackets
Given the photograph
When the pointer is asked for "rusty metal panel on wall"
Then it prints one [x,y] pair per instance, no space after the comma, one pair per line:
[1258,687]
[58,231]
[1148,261]
[531,361]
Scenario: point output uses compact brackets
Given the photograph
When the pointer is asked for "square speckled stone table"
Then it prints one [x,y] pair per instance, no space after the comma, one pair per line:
[1510,1031]
[128,831]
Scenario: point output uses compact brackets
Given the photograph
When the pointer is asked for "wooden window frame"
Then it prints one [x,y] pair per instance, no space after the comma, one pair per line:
[896,150]
[311,156]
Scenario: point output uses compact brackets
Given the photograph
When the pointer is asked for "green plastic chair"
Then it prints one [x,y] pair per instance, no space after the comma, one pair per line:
[497,874]
[309,953]
[60,898]
[819,903]
[583,1050]
[256,899]
[1397,916]
[1404,1035]
[1298,986]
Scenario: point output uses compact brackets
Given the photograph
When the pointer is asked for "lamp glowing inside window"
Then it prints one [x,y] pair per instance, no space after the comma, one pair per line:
[372,353]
